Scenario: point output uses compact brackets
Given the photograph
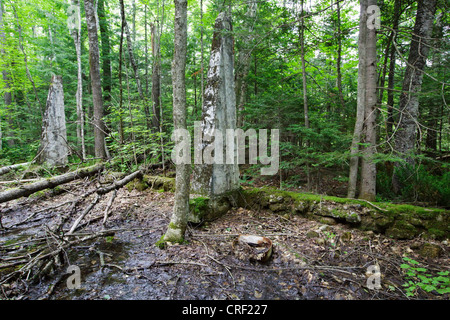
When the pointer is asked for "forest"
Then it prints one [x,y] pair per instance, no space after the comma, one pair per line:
[224,150]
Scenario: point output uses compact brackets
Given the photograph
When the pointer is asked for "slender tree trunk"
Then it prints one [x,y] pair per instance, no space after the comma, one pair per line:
[391,77]
[305,96]
[361,101]
[405,137]
[156,76]
[121,129]
[244,65]
[7,95]
[146,48]
[178,222]
[202,79]
[339,58]
[368,166]
[94,64]
[106,59]
[76,35]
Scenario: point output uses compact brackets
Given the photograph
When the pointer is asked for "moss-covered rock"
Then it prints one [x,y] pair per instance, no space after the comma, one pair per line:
[430,250]
[157,182]
[402,230]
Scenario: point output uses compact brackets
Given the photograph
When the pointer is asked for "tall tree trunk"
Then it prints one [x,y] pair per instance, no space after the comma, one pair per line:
[305,96]
[76,35]
[391,77]
[7,95]
[361,101]
[121,129]
[94,64]
[146,49]
[106,59]
[202,78]
[178,222]
[405,137]
[339,58]
[244,64]
[368,166]
[156,76]
[434,110]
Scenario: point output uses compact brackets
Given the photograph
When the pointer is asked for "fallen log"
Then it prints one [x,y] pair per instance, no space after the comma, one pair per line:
[28,189]
[6,169]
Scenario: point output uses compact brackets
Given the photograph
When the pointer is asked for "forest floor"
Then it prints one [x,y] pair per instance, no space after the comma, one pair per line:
[310,260]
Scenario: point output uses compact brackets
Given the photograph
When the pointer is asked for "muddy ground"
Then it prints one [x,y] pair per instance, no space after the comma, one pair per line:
[310,260]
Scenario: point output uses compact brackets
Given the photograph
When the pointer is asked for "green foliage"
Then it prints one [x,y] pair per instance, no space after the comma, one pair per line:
[419,184]
[418,277]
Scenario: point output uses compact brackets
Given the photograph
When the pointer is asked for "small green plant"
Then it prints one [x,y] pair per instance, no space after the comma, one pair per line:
[418,277]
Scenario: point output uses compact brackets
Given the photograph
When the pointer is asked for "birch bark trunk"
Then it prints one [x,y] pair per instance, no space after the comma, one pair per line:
[76,35]
[54,148]
[216,177]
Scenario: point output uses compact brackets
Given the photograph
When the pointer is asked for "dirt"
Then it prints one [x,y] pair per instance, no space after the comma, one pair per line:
[310,260]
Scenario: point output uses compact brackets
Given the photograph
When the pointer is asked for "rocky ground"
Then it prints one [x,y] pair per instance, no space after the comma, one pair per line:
[310,260]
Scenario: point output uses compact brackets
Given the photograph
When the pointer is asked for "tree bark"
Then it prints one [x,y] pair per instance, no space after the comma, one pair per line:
[218,114]
[76,35]
[339,58]
[244,62]
[28,189]
[106,59]
[361,101]
[54,149]
[156,76]
[6,169]
[7,96]
[391,77]
[178,222]
[405,137]
[368,166]
[94,64]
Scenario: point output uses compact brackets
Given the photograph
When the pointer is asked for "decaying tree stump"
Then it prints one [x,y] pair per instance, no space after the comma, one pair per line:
[220,178]
[54,149]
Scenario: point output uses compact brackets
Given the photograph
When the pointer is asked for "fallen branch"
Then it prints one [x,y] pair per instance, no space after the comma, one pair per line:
[119,183]
[85,212]
[108,207]
[28,189]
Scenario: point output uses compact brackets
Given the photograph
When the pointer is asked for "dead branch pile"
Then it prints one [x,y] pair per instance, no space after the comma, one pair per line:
[36,257]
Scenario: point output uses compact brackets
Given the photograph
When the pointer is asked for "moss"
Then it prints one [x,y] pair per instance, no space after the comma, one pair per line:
[136,184]
[161,243]
[402,230]
[436,233]
[198,208]
[157,182]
